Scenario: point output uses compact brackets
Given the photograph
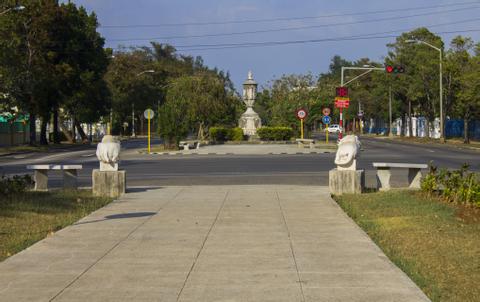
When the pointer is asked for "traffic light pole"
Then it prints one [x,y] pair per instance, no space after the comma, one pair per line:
[343,84]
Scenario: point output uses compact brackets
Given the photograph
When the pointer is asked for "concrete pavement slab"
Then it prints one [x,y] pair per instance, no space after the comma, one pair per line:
[207,243]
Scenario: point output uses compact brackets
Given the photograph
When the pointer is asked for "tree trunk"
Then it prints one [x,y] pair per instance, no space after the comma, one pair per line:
[81,132]
[33,130]
[56,136]
[12,135]
[466,137]
[74,135]
[64,130]
[43,132]
[410,121]
[427,128]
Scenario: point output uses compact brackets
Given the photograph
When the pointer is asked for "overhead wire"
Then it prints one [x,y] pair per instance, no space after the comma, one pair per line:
[265,20]
[298,27]
[209,46]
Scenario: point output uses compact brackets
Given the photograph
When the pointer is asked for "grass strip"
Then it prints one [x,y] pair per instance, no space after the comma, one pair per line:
[436,244]
[26,218]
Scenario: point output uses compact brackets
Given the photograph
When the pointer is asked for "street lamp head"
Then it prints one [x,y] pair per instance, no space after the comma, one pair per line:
[19,7]
[150,71]
[411,41]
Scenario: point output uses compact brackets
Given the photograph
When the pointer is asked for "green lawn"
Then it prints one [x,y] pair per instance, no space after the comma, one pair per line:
[436,244]
[26,218]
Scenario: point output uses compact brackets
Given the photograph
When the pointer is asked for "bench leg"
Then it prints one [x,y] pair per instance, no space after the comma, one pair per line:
[383,179]
[41,180]
[312,146]
[70,179]
[186,147]
[198,145]
[414,178]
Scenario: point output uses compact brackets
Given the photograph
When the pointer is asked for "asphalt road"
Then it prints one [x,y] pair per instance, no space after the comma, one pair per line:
[305,169]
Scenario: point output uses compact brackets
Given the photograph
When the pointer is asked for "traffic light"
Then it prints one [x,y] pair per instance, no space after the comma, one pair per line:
[394,69]
[342,92]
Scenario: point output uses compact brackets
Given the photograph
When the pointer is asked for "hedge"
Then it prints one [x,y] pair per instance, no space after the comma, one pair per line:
[222,134]
[275,133]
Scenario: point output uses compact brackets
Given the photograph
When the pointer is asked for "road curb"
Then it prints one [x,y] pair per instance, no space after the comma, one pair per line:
[230,153]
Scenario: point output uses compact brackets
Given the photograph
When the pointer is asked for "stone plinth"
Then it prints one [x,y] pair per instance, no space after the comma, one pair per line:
[346,182]
[109,183]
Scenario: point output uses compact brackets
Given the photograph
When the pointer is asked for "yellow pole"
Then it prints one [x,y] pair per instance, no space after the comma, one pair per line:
[301,127]
[326,133]
[149,131]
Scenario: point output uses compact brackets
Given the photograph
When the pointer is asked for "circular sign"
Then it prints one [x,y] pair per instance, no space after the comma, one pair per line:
[326,120]
[326,111]
[148,114]
[302,114]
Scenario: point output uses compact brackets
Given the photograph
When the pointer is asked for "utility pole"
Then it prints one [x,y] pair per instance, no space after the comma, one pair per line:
[390,110]
[133,119]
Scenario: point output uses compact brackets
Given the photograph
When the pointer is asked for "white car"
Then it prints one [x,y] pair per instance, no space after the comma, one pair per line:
[335,128]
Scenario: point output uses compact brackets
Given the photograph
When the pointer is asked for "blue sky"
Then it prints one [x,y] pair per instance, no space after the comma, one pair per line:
[273,61]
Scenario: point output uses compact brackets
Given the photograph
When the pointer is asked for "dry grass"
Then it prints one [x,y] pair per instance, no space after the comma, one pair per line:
[436,244]
[26,218]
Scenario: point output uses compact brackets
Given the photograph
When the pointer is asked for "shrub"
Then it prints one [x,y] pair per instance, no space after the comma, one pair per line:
[221,134]
[458,186]
[236,134]
[15,184]
[275,133]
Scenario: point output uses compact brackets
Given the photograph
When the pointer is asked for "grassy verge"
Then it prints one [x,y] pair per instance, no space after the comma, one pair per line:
[26,218]
[436,244]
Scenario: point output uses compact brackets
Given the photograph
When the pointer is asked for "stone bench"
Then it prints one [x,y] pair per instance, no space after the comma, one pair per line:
[190,144]
[384,173]
[302,142]
[41,175]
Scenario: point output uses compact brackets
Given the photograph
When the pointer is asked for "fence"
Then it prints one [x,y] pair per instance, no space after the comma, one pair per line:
[455,128]
[13,134]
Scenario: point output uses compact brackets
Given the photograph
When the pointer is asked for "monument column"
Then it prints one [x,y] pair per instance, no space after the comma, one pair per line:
[250,121]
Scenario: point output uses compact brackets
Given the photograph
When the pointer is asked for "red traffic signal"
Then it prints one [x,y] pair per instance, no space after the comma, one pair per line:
[342,92]
[394,69]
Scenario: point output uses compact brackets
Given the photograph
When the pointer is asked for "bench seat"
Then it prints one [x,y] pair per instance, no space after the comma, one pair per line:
[190,143]
[384,174]
[304,141]
[41,175]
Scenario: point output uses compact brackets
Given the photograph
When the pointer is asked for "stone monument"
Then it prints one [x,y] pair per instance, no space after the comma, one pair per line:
[250,121]
[108,180]
[346,179]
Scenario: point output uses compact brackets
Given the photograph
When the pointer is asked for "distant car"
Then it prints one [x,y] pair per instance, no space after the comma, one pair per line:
[335,128]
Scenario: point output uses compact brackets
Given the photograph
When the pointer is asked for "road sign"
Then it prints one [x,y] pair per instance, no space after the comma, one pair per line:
[147,115]
[342,103]
[326,120]
[326,111]
[342,92]
[301,114]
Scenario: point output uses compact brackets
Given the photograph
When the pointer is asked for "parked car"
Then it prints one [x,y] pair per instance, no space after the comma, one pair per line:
[335,128]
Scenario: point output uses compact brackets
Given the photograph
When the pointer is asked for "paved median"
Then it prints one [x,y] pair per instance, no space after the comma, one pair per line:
[206,243]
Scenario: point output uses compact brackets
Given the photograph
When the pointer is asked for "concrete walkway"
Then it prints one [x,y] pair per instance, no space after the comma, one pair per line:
[239,243]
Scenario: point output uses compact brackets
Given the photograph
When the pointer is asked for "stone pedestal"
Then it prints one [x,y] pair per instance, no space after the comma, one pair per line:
[109,183]
[346,182]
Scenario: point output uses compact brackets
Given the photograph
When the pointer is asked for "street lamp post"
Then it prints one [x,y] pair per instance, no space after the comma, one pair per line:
[442,128]
[17,8]
[133,104]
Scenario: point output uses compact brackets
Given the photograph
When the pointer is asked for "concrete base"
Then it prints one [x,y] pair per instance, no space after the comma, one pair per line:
[346,182]
[41,180]
[109,183]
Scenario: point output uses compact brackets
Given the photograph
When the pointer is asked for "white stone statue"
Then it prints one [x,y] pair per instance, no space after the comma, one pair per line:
[347,153]
[108,152]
